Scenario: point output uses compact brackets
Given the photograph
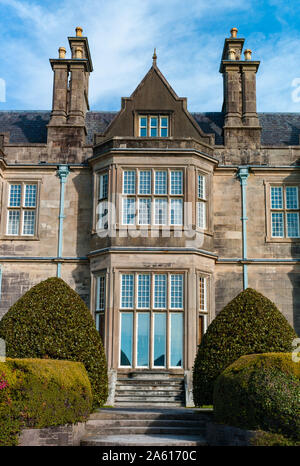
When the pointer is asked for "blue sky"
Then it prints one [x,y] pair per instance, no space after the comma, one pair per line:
[188,35]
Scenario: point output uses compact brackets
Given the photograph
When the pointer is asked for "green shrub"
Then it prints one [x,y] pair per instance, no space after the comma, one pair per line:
[41,393]
[249,324]
[52,321]
[268,439]
[260,391]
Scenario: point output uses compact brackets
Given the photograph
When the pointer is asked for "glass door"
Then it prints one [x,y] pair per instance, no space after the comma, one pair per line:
[126,339]
[143,339]
[159,339]
[176,339]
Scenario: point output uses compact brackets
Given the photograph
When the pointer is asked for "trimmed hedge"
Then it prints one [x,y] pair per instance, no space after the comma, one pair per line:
[51,321]
[249,324]
[260,392]
[41,393]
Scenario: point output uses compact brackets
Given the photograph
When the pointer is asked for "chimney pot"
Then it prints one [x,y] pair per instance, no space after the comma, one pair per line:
[231,54]
[247,54]
[79,31]
[233,32]
[78,53]
[61,52]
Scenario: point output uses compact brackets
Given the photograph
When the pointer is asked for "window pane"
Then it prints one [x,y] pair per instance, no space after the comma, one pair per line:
[100,321]
[161,211]
[102,215]
[143,331]
[201,215]
[291,197]
[15,195]
[277,224]
[145,182]
[164,122]
[176,182]
[159,341]
[143,127]
[100,301]
[201,186]
[160,182]
[30,195]
[129,182]
[144,291]
[164,127]
[202,292]
[126,339]
[176,337]
[276,197]
[292,221]
[160,291]
[153,127]
[200,328]
[28,222]
[103,188]
[144,211]
[128,211]
[13,222]
[176,211]
[176,291]
[127,291]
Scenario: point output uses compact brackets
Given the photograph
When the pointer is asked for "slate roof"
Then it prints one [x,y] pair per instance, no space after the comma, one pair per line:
[278,129]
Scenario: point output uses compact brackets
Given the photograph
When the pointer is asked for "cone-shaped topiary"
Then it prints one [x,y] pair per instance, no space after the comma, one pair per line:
[260,391]
[249,324]
[52,321]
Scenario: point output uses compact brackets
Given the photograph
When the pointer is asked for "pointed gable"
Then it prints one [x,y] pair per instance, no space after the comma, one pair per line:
[155,96]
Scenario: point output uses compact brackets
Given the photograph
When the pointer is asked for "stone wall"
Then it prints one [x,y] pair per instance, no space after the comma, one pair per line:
[67,435]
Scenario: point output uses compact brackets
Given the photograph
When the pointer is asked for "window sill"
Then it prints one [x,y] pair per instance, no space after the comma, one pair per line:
[281,240]
[19,238]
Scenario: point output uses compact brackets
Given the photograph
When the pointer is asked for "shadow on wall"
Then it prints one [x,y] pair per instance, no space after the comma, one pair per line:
[294,274]
[82,223]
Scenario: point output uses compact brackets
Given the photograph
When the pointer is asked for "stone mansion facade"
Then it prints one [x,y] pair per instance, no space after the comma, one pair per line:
[157,217]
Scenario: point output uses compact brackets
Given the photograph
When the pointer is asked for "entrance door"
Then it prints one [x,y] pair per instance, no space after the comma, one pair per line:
[154,340]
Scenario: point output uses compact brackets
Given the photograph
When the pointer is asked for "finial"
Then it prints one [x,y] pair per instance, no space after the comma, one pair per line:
[247,54]
[154,58]
[78,52]
[231,54]
[233,32]
[61,52]
[78,31]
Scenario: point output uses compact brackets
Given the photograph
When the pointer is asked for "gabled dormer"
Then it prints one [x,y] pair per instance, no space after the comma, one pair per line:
[154,113]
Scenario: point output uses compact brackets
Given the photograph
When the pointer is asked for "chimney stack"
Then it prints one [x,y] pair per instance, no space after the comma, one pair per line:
[239,81]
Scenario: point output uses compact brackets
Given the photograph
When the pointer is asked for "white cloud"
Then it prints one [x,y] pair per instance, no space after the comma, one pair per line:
[122,35]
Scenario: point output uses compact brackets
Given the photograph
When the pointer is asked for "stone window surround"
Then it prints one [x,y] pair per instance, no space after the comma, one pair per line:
[168,310]
[153,196]
[157,113]
[113,295]
[204,313]
[115,178]
[5,198]
[282,183]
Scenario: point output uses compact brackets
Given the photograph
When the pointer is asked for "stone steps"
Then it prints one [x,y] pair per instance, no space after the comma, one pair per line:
[113,423]
[144,440]
[146,430]
[106,414]
[149,388]
[160,427]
